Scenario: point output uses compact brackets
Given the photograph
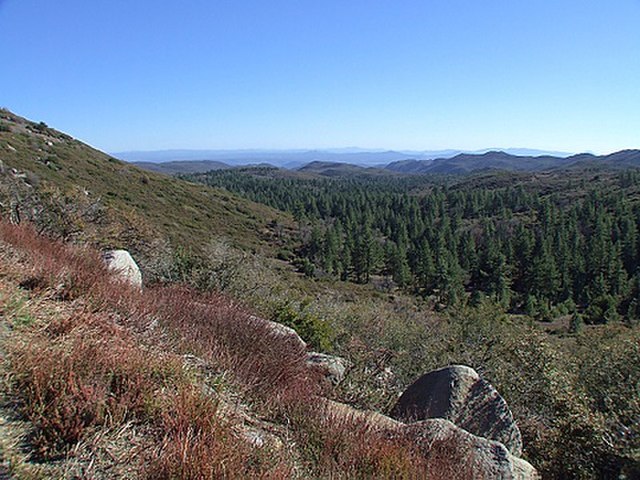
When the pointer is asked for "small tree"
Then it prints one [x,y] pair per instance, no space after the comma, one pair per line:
[576,324]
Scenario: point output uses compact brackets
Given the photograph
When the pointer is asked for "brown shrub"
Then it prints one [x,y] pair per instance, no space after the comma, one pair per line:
[84,371]
[87,370]
[199,443]
[344,446]
[268,367]
[70,270]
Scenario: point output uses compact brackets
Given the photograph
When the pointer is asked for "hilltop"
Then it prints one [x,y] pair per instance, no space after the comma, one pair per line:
[140,204]
[337,169]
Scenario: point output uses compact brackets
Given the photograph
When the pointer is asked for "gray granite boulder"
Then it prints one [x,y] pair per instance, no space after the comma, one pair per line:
[456,453]
[458,394]
[450,451]
[280,331]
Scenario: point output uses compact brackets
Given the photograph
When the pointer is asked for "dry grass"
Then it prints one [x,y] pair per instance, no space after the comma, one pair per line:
[90,370]
[344,447]
[199,443]
[339,443]
[266,365]
[82,372]
[70,271]
[117,359]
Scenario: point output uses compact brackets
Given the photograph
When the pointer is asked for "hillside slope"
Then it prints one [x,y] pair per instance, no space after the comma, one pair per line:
[105,380]
[154,205]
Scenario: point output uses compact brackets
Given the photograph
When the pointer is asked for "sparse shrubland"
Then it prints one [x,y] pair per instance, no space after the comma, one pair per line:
[559,388]
[90,367]
[100,355]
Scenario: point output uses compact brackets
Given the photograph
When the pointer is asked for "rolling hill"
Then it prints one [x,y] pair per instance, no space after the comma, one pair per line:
[498,160]
[338,169]
[41,162]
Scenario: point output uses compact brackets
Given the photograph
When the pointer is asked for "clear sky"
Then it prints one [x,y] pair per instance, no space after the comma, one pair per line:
[397,74]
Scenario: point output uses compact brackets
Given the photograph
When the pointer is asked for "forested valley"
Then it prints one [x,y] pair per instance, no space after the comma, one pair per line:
[542,244]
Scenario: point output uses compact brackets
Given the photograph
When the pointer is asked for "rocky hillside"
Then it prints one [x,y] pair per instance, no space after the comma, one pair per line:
[104,379]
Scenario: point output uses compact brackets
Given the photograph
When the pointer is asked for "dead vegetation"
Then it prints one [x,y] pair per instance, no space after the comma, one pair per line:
[164,383]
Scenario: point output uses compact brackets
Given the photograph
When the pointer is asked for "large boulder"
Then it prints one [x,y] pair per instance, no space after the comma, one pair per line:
[280,331]
[121,262]
[457,393]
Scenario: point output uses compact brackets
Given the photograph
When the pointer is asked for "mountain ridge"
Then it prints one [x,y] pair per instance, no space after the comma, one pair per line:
[500,160]
[295,158]
[145,204]
[462,163]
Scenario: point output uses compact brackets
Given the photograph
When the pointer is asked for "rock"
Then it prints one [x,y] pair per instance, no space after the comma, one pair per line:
[331,366]
[254,437]
[450,451]
[280,330]
[456,453]
[373,420]
[457,393]
[121,262]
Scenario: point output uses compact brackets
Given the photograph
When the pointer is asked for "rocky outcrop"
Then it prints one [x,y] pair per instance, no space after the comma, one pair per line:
[121,262]
[457,393]
[333,368]
[473,456]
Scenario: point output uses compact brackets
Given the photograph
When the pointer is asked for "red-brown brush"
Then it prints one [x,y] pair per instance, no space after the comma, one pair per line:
[101,366]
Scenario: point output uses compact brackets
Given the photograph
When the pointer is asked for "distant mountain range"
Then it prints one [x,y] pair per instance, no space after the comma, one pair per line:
[182,166]
[346,163]
[498,160]
[293,159]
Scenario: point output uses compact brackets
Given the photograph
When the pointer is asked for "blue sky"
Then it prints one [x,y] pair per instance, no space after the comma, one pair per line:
[403,74]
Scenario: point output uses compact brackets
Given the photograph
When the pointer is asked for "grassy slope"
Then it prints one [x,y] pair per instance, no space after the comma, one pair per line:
[183,387]
[186,213]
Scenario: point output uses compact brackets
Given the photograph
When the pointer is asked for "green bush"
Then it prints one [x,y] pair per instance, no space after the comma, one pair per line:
[576,323]
[311,328]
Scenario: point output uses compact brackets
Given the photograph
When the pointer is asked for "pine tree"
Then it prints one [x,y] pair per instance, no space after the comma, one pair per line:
[425,268]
